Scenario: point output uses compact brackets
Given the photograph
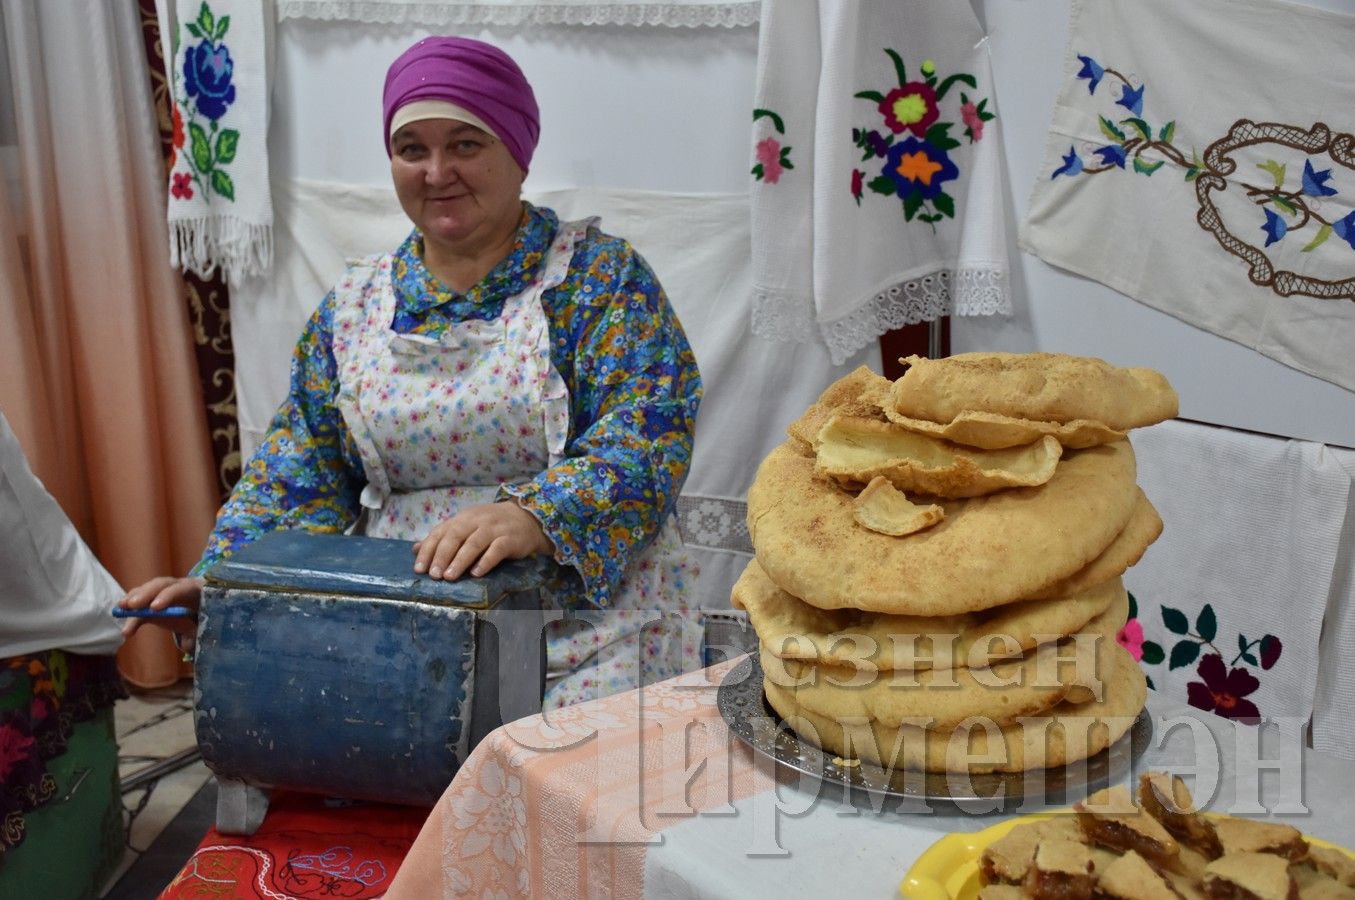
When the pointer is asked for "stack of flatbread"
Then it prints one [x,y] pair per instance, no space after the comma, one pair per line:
[936,583]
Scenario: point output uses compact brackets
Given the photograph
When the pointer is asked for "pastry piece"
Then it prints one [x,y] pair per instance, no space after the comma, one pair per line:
[1130,877]
[1166,798]
[945,698]
[1001,892]
[1109,818]
[989,550]
[1249,876]
[1144,527]
[792,629]
[853,450]
[884,509]
[1006,860]
[1051,388]
[1333,862]
[1066,733]
[1319,885]
[1061,870]
[1238,835]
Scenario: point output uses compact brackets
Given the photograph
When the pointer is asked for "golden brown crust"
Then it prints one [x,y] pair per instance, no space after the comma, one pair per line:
[1237,835]
[1166,798]
[1109,818]
[1243,876]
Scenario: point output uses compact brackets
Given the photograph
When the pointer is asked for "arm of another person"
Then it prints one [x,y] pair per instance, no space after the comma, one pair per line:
[634,393]
[305,474]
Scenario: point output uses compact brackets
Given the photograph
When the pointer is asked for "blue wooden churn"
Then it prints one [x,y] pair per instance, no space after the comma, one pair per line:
[324,664]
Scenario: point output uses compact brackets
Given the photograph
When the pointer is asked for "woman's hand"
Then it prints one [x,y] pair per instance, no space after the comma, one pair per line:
[162,592]
[478,538]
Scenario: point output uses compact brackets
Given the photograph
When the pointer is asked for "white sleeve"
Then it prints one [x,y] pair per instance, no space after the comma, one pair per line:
[54,593]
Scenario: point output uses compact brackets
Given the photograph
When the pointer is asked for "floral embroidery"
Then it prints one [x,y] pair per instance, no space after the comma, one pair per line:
[183,186]
[1223,687]
[772,157]
[1288,197]
[917,167]
[207,79]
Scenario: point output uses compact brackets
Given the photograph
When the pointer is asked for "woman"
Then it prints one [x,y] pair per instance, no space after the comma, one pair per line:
[503,384]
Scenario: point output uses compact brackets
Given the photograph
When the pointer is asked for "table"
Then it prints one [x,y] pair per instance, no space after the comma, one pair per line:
[648,794]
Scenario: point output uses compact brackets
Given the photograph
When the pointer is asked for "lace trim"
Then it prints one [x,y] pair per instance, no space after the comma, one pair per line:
[964,292]
[714,523]
[673,15]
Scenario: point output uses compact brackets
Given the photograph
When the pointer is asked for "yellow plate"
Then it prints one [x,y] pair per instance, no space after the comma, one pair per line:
[949,868]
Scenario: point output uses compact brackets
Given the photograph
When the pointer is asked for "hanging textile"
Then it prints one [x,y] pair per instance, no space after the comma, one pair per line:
[670,13]
[877,186]
[1201,161]
[220,209]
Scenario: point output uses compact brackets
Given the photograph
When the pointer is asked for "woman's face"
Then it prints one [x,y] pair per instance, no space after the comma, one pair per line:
[457,183]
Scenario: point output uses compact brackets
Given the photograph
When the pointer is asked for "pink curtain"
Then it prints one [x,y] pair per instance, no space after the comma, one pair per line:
[96,368]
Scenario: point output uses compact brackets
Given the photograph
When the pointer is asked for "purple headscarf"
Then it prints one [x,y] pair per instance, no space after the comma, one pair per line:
[471,74]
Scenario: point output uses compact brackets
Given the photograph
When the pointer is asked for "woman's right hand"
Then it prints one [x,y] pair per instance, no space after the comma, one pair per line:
[160,593]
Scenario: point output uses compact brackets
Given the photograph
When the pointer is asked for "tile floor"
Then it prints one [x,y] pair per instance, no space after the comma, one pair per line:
[152,727]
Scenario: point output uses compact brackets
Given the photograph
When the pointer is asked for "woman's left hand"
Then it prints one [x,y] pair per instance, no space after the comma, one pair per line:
[478,538]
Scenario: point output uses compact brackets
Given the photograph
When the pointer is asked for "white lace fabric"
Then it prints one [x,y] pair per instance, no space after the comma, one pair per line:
[663,13]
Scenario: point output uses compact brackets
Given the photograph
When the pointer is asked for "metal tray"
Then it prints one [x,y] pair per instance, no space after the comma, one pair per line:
[747,713]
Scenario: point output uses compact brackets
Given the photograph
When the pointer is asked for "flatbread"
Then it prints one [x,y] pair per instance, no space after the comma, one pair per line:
[988,551]
[1042,387]
[860,392]
[792,629]
[993,431]
[1075,731]
[885,509]
[1144,527]
[1003,693]
[853,450]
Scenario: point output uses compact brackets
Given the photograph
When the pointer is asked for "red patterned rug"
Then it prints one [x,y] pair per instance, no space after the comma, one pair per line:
[304,849]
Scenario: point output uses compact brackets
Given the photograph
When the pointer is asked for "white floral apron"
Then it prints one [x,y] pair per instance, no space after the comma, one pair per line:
[441,423]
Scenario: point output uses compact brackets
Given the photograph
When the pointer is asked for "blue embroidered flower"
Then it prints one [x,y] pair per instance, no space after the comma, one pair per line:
[1072,164]
[1315,183]
[1111,155]
[1345,229]
[1132,99]
[1092,71]
[918,166]
[207,71]
[1275,227]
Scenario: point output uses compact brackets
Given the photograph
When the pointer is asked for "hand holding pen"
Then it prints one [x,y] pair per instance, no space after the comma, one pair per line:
[168,602]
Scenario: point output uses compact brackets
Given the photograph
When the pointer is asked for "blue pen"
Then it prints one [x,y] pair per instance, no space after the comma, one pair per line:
[169,612]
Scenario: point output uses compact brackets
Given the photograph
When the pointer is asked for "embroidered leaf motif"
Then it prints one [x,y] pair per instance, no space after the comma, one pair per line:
[1175,620]
[944,204]
[873,96]
[206,21]
[777,123]
[931,218]
[1183,654]
[757,170]
[1242,643]
[1151,686]
[898,66]
[201,149]
[1153,653]
[958,76]
[1133,605]
[1322,234]
[221,27]
[1143,128]
[938,136]
[1206,623]
[222,184]
[1165,135]
[911,204]
[195,31]
[1284,203]
[883,184]
[226,142]
[1275,169]
[1249,658]
[1109,130]
[1147,168]
[1196,166]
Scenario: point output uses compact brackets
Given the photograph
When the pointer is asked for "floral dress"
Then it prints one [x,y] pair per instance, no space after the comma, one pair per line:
[562,380]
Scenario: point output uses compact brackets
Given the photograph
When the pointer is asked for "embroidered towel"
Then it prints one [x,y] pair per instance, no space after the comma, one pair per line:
[877,192]
[1334,706]
[1230,601]
[672,13]
[1200,160]
[220,210]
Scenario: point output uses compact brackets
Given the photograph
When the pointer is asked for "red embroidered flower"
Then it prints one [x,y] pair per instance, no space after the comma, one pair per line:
[911,107]
[769,154]
[178,138]
[856,185]
[183,186]
[970,113]
[1130,637]
[1223,691]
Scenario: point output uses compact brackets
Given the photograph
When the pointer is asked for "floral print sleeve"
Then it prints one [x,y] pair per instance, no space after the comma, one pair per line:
[306,473]
[634,392]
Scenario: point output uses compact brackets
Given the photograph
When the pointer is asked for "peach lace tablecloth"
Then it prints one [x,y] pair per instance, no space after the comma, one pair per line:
[648,793]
